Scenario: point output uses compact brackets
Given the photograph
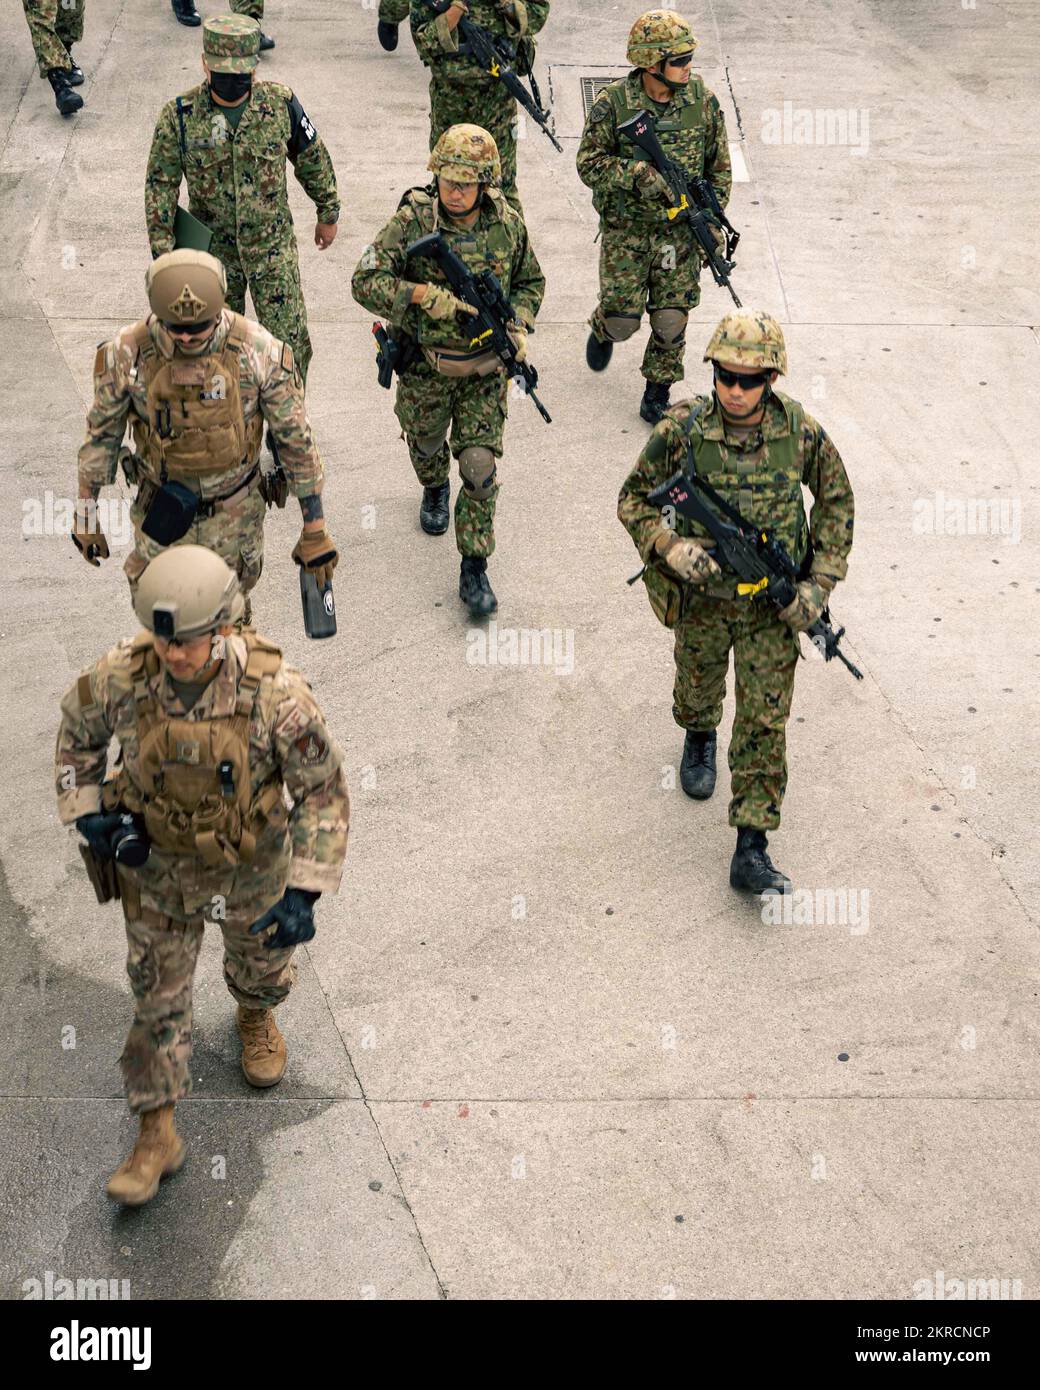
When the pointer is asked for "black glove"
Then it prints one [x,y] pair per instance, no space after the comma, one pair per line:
[97,829]
[293,914]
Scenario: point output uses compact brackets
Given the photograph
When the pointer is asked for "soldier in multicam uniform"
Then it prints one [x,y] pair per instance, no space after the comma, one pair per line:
[646,260]
[196,382]
[54,27]
[213,728]
[449,386]
[391,14]
[460,90]
[756,447]
[230,139]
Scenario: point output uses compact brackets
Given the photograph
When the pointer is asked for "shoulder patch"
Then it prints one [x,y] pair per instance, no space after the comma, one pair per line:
[600,111]
[312,749]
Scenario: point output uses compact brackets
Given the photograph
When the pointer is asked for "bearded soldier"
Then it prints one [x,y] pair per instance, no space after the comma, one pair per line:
[460,89]
[230,139]
[391,14]
[213,729]
[196,382]
[756,448]
[447,384]
[54,27]
[648,260]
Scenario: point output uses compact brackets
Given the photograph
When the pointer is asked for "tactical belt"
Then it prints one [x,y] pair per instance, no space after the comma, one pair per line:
[462,363]
[208,506]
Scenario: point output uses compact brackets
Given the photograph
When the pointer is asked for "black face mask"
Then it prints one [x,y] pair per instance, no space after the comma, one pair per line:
[230,86]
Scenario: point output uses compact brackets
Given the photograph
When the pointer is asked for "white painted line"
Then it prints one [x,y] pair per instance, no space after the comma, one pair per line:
[736,159]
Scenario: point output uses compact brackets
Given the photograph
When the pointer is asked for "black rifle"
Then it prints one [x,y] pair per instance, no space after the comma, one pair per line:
[494,311]
[393,354]
[756,556]
[496,55]
[695,201]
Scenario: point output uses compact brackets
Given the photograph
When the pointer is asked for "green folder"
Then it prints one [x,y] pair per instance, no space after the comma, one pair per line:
[190,233]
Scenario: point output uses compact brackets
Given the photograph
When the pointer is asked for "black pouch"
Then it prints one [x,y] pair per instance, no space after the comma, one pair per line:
[171,513]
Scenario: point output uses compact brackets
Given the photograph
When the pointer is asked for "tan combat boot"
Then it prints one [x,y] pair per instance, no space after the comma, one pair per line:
[157,1153]
[264,1053]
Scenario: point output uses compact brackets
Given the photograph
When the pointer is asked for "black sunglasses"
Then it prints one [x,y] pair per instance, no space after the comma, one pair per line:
[679,60]
[189,329]
[747,381]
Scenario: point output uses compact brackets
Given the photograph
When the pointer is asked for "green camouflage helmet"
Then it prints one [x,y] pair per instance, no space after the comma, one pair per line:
[748,339]
[231,43]
[468,154]
[657,34]
[186,592]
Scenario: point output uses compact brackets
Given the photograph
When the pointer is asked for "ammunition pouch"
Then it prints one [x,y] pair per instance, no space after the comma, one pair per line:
[171,513]
[274,487]
[130,465]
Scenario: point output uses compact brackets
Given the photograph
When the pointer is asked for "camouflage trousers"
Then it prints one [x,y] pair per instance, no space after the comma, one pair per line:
[236,533]
[474,409]
[394,11]
[647,268]
[161,958]
[277,296]
[253,8]
[486,104]
[765,655]
[54,26]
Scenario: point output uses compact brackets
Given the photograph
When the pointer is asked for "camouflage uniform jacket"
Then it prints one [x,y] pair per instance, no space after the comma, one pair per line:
[757,495]
[441,48]
[236,178]
[288,739]
[269,383]
[497,241]
[692,131]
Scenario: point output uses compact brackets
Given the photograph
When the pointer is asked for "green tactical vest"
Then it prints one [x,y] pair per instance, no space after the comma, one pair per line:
[764,485]
[673,131]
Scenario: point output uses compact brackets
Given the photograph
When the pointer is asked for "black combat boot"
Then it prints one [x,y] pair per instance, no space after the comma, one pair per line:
[752,868]
[74,76]
[474,590]
[266,42]
[655,401]
[186,13]
[598,354]
[433,509]
[697,770]
[65,99]
[387,35]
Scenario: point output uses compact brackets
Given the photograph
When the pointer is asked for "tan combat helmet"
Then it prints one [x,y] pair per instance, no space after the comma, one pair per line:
[186,592]
[659,34]
[468,154]
[186,287]
[231,43]
[749,339]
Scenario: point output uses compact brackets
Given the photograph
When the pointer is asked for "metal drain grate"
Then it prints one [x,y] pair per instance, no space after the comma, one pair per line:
[590,90]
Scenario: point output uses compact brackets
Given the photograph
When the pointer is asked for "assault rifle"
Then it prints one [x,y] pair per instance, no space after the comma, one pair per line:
[695,200]
[494,311]
[496,55]
[759,560]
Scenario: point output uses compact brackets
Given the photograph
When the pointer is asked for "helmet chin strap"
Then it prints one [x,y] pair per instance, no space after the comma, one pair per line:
[670,82]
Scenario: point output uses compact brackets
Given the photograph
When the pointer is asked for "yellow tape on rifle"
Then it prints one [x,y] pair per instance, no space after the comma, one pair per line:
[673,213]
[750,590]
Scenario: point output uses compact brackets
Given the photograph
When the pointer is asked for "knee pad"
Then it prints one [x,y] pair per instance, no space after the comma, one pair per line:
[429,444]
[669,326]
[477,466]
[620,327]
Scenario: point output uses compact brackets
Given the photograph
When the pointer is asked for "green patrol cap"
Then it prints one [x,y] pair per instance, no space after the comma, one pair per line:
[231,42]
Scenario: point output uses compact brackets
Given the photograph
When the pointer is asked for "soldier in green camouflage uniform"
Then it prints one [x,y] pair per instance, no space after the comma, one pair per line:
[450,385]
[213,728]
[391,14]
[460,91]
[232,151]
[54,27]
[217,377]
[756,447]
[646,260]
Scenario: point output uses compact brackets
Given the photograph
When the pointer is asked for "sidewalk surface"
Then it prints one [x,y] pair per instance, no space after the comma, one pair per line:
[538,1047]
